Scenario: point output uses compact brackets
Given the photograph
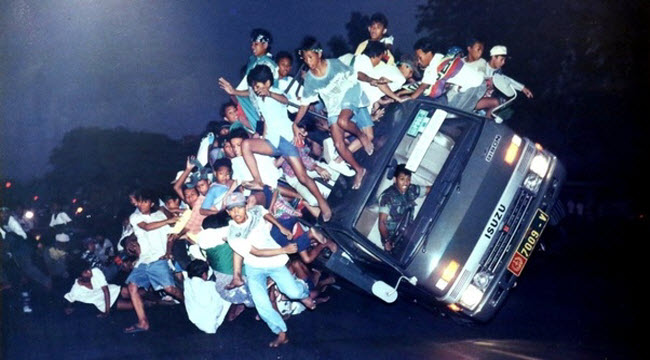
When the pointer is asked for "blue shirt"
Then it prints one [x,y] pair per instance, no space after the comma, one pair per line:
[214,196]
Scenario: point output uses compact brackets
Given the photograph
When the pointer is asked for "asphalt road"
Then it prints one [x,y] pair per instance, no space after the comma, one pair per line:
[574,301]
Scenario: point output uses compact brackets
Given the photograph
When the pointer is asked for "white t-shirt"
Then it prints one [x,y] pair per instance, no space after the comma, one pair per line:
[478,65]
[205,308]
[466,78]
[277,120]
[14,226]
[153,243]
[94,296]
[266,166]
[59,219]
[363,64]
[255,232]
[291,95]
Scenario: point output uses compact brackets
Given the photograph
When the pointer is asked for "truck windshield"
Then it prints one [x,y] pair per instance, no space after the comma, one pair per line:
[423,150]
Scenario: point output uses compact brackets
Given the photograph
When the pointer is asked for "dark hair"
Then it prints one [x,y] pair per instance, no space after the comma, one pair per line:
[379,18]
[170,196]
[374,49]
[226,106]
[310,43]
[262,33]
[424,44]
[260,74]
[283,55]
[471,41]
[196,268]
[238,133]
[185,187]
[147,194]
[222,162]
[401,169]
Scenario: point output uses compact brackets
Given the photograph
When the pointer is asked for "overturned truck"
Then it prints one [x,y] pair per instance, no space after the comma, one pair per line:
[469,239]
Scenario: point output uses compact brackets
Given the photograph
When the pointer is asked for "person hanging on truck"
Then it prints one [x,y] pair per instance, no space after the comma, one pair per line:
[336,84]
[492,99]
[441,70]
[396,202]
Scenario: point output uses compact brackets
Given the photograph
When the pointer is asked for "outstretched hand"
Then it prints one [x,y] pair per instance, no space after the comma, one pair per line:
[226,86]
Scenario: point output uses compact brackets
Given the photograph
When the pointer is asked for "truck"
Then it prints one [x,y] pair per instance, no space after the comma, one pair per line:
[468,240]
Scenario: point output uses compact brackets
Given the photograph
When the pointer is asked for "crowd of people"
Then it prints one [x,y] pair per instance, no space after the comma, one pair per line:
[233,230]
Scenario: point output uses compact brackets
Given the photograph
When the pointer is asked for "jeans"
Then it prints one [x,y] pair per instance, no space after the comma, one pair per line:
[287,284]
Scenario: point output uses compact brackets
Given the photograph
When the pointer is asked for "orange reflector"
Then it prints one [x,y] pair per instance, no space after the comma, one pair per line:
[511,154]
[454,307]
[450,271]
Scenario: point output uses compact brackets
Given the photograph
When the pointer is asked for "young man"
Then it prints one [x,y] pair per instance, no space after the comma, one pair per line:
[498,56]
[440,70]
[290,87]
[249,236]
[395,202]
[376,77]
[377,30]
[151,268]
[278,136]
[474,57]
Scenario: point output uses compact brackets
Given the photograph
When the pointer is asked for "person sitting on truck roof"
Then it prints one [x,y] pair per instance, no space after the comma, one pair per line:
[498,55]
[441,70]
[395,203]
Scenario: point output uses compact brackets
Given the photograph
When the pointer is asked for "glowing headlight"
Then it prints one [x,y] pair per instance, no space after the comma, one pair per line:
[471,297]
[447,275]
[513,150]
[29,215]
[539,165]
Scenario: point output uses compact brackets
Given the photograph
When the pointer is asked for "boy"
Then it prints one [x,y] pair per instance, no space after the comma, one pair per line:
[376,77]
[205,308]
[377,31]
[151,267]
[278,136]
[395,202]
[474,55]
[229,113]
[249,237]
[440,70]
[289,86]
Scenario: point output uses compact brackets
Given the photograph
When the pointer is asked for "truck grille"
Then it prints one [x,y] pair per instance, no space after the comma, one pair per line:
[502,244]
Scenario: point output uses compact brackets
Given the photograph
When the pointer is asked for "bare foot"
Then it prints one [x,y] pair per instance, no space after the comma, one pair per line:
[137,328]
[309,303]
[322,299]
[318,236]
[280,340]
[234,283]
[234,311]
[367,144]
[358,178]
[326,212]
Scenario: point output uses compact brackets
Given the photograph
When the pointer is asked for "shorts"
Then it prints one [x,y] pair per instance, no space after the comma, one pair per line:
[157,274]
[268,195]
[302,241]
[361,117]
[284,148]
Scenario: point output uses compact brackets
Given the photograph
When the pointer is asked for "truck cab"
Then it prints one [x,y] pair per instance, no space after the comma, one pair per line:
[469,238]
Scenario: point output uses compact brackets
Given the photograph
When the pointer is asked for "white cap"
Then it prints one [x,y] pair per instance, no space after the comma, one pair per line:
[498,50]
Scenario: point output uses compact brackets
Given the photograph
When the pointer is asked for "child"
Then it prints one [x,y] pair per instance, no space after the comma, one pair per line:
[151,269]
[440,70]
[474,55]
[377,31]
[249,237]
[230,115]
[289,86]
[377,78]
[395,202]
[205,308]
[346,104]
[219,188]
[91,288]
[278,136]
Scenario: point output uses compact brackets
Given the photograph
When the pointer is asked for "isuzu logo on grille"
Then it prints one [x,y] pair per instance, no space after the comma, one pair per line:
[493,148]
[497,216]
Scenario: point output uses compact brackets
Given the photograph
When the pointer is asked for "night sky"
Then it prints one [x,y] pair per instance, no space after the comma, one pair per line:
[144,65]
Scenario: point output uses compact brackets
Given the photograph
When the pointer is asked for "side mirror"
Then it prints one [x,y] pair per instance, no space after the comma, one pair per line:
[384,291]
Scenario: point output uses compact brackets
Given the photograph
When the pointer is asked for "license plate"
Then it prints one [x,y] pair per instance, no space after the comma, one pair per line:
[527,246]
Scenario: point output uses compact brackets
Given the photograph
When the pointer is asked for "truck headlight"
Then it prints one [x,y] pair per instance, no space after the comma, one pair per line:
[540,164]
[471,297]
[532,182]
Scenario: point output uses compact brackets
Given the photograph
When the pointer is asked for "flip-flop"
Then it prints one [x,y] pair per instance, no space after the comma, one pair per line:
[134,329]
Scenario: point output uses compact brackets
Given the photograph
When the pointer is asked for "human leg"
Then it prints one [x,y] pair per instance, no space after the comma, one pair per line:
[346,124]
[249,148]
[301,174]
[257,285]
[339,143]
